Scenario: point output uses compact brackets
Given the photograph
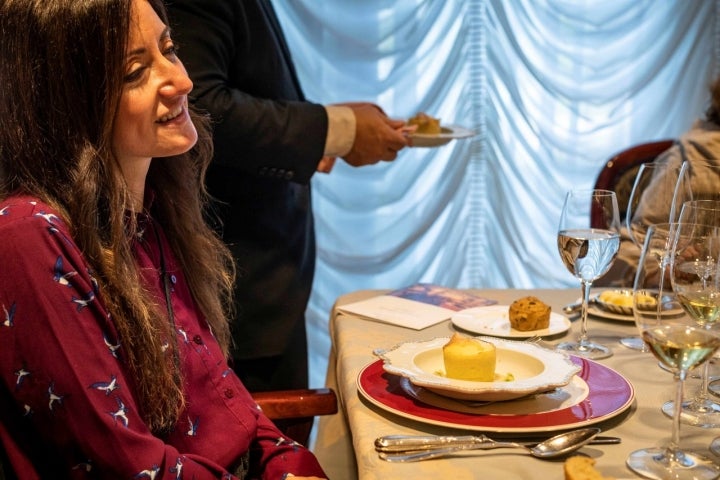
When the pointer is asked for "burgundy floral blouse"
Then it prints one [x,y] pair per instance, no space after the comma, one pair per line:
[67,408]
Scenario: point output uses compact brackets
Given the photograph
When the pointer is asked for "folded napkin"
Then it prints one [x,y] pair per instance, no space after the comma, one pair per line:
[417,306]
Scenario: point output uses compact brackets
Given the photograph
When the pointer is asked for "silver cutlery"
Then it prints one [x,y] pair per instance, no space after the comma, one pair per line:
[553,447]
[574,308]
[410,443]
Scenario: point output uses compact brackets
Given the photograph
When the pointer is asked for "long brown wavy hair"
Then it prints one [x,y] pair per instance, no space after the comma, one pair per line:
[61,76]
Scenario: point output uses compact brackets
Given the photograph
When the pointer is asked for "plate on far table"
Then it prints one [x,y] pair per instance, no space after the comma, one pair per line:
[599,308]
[608,394]
[447,133]
[494,320]
[598,311]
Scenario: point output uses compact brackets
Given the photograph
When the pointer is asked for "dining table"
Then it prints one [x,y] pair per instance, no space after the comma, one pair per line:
[344,442]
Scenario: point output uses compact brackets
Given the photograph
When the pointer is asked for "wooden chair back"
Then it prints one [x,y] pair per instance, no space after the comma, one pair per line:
[618,173]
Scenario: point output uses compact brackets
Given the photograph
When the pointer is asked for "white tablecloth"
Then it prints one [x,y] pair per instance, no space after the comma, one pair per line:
[344,442]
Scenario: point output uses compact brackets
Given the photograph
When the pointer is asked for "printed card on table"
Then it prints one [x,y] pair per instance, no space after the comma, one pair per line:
[417,306]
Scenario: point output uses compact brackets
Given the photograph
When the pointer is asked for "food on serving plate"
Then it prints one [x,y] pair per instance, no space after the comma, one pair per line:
[469,359]
[624,298]
[529,313]
[425,123]
[615,297]
[582,468]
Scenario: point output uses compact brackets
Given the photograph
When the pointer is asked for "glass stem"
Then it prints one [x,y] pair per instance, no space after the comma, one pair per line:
[672,449]
[583,340]
[702,393]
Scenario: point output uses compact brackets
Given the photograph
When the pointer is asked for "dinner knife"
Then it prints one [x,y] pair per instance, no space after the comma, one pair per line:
[404,443]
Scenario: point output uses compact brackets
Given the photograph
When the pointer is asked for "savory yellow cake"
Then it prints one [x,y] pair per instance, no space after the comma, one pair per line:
[469,359]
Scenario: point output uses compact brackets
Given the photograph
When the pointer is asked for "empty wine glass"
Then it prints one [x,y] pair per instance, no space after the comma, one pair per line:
[674,338]
[656,189]
[588,241]
[701,410]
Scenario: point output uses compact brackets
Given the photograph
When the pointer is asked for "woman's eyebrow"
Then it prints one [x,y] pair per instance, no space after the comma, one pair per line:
[164,35]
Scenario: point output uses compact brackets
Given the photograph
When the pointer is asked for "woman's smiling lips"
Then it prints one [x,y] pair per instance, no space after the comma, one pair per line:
[172,115]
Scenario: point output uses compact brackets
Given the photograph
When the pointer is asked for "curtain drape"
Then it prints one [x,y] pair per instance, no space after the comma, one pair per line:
[552,89]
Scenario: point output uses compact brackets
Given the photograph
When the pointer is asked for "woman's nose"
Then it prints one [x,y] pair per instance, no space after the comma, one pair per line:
[177,81]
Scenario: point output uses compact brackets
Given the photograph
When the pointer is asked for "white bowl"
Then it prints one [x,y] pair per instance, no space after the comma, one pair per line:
[535,369]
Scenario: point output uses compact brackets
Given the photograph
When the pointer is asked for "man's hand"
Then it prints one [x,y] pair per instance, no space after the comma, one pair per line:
[326,164]
[377,137]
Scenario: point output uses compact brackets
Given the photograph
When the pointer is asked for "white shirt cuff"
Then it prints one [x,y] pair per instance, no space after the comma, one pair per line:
[341,130]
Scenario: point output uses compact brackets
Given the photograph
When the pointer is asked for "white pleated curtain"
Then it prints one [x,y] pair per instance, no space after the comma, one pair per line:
[552,87]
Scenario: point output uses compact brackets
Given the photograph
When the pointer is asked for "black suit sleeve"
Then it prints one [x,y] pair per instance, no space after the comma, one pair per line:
[244,77]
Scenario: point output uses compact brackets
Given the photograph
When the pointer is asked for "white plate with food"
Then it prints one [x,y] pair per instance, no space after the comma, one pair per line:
[495,320]
[618,305]
[521,369]
[596,394]
[447,133]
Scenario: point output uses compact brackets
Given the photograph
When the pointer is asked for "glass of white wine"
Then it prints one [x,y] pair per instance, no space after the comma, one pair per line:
[657,187]
[588,241]
[702,301]
[675,339]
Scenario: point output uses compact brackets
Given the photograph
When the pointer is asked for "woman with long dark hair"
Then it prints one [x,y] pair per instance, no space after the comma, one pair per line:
[113,290]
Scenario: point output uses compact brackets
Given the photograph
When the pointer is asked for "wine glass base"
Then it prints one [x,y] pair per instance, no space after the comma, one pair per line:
[589,350]
[714,387]
[715,446]
[634,343]
[707,416]
[654,463]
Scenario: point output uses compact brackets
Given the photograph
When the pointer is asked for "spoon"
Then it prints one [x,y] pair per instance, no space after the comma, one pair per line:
[553,447]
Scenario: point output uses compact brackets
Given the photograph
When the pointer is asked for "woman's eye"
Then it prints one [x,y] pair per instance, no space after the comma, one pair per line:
[171,50]
[134,74]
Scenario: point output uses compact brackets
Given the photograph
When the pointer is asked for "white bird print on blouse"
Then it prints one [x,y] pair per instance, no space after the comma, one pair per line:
[59,276]
[107,387]
[20,374]
[49,217]
[4,211]
[120,413]
[192,431]
[85,466]
[183,333]
[177,469]
[113,348]
[151,473]
[54,398]
[9,315]
[83,302]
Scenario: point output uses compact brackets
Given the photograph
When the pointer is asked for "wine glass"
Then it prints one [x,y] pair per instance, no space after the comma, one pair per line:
[706,212]
[658,189]
[675,339]
[588,241]
[701,410]
[658,186]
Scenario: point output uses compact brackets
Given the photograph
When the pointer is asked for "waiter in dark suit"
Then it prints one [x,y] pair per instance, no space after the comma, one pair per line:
[269,141]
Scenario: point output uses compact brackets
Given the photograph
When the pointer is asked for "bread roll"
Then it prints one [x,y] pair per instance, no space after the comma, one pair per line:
[529,313]
[469,359]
